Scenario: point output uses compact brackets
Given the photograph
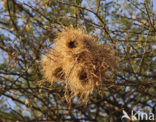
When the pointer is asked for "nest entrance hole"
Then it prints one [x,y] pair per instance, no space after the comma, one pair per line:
[83,76]
[58,73]
[72,44]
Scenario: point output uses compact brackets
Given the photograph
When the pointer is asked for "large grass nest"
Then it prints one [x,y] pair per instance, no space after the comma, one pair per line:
[78,61]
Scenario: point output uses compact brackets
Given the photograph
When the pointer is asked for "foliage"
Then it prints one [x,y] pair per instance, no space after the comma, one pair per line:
[27,30]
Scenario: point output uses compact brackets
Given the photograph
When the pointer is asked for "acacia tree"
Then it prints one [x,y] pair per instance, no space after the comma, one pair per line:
[27,30]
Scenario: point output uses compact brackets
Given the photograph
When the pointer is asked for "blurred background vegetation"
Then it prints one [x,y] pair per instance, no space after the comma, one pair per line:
[27,30]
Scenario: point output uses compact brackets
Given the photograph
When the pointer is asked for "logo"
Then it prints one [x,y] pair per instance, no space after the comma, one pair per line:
[125,115]
[139,115]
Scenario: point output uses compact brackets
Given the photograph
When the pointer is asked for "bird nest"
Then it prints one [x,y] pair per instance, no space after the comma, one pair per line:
[78,61]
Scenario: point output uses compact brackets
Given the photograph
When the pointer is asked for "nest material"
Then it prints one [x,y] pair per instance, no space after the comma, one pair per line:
[79,61]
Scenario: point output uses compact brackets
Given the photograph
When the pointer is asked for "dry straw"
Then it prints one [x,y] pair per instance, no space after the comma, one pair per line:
[79,61]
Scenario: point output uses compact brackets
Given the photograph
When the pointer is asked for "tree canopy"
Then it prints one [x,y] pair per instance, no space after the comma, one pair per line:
[27,31]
